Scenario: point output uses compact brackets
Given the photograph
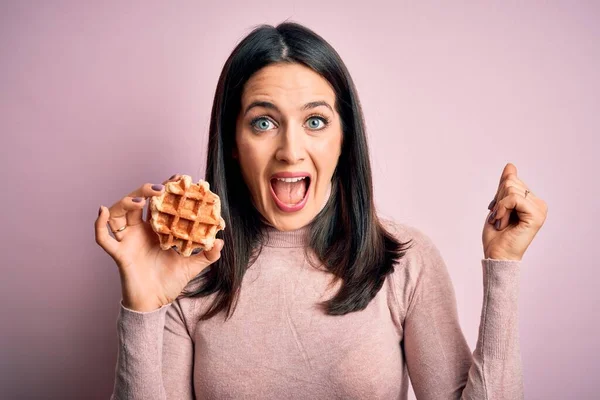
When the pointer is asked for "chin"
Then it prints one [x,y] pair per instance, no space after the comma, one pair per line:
[289,222]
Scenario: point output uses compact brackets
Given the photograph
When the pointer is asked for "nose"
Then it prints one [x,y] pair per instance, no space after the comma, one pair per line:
[291,148]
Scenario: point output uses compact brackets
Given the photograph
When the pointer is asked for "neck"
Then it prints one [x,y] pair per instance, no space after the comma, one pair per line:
[286,239]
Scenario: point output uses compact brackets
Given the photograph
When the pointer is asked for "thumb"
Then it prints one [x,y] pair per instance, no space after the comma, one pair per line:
[205,258]
[214,254]
[509,168]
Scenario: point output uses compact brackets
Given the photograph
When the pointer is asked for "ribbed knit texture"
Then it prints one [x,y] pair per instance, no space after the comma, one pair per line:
[279,345]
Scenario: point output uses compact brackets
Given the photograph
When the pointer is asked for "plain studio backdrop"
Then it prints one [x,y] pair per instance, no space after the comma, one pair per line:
[97,98]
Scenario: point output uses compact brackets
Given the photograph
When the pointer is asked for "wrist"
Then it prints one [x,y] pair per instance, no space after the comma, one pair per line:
[502,257]
[138,306]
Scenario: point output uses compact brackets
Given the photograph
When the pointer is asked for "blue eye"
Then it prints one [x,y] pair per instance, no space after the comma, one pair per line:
[316,126]
[260,124]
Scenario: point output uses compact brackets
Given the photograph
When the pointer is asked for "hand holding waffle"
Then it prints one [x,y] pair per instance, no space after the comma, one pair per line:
[183,214]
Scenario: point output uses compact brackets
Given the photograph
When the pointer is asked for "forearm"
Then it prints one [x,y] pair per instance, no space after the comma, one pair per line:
[496,372]
[138,373]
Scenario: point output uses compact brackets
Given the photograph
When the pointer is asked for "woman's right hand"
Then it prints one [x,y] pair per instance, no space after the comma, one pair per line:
[150,276]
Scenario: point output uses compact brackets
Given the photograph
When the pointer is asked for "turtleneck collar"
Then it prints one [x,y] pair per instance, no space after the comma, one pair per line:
[286,239]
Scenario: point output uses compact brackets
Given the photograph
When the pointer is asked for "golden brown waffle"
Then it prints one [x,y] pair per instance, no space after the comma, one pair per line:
[186,215]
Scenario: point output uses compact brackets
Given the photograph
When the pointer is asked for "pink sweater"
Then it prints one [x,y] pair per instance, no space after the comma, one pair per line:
[279,346]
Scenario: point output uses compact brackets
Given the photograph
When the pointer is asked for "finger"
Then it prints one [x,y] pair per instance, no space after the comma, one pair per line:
[213,254]
[119,209]
[508,180]
[134,202]
[205,258]
[171,179]
[518,181]
[103,239]
[135,210]
[131,207]
[507,187]
[524,187]
[511,185]
[509,169]
[510,205]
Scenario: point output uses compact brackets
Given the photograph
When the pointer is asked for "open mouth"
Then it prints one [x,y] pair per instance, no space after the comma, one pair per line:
[290,190]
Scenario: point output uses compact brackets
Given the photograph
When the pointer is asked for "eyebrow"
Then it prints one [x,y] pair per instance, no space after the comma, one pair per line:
[267,104]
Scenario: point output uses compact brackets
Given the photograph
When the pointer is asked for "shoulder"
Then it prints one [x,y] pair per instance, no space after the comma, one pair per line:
[419,240]
[422,257]
[421,273]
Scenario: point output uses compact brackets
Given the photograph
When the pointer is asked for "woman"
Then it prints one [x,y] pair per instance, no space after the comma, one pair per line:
[308,295]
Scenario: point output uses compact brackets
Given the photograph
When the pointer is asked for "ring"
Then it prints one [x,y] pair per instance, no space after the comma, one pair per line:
[121,229]
[526,192]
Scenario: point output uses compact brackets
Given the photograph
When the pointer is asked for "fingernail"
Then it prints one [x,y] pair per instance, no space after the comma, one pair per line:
[492,204]
[100,211]
[173,177]
[492,217]
[137,199]
[158,188]
[196,251]
[497,224]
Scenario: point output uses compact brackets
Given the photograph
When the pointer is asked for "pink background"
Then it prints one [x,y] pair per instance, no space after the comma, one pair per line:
[96,100]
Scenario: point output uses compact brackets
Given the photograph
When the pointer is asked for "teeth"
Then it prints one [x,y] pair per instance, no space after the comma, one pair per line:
[291,179]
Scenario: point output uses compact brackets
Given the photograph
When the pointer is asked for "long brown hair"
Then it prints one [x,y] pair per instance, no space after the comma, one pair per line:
[346,236]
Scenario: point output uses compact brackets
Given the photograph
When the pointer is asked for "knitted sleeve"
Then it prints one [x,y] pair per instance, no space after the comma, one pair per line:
[439,361]
[155,355]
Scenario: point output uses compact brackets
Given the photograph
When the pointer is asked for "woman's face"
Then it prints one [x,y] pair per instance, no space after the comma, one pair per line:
[289,139]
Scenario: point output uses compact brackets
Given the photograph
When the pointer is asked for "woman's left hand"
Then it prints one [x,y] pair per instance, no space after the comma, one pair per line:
[515,218]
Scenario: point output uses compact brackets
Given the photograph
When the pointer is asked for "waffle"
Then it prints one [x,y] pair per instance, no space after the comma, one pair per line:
[186,215]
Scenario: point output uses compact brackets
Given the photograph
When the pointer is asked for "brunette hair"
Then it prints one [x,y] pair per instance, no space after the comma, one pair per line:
[346,236]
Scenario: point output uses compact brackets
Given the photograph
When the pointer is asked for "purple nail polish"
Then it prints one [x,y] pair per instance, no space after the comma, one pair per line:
[100,211]
[173,177]
[497,224]
[492,204]
[492,217]
[158,188]
[137,199]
